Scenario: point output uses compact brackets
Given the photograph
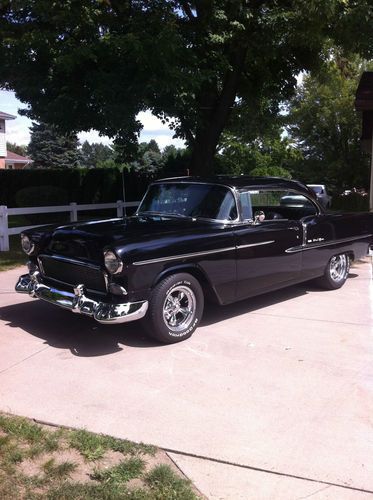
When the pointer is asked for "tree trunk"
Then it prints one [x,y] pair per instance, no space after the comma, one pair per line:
[213,123]
[203,152]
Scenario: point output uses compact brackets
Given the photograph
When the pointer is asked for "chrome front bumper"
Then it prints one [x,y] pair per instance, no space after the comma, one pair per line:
[77,302]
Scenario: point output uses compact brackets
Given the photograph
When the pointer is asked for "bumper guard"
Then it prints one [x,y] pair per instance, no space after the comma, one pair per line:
[77,302]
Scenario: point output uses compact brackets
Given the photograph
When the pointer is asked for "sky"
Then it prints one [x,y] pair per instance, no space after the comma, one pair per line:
[17,131]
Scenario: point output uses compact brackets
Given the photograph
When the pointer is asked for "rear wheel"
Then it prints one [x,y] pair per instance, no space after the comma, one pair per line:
[175,308]
[336,272]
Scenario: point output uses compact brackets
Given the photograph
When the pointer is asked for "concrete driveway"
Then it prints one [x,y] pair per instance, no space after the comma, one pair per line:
[272,398]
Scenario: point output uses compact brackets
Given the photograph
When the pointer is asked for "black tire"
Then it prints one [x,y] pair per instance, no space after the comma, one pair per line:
[336,272]
[175,308]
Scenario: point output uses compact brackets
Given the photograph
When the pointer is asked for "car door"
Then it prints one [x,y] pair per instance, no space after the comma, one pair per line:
[263,262]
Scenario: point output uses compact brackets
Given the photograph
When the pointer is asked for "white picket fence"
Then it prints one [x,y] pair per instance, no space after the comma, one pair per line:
[72,208]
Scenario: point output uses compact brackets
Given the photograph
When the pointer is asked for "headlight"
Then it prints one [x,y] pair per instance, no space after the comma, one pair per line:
[27,245]
[112,262]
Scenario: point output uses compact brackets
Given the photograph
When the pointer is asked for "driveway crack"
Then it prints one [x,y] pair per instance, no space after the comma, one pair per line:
[24,359]
[314,493]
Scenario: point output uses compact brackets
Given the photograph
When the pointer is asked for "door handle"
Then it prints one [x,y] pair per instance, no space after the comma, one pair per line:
[294,228]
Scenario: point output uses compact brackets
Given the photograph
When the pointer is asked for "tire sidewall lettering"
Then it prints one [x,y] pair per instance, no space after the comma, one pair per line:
[186,332]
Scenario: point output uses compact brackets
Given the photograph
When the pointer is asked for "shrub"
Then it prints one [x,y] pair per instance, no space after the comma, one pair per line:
[40,196]
[353,202]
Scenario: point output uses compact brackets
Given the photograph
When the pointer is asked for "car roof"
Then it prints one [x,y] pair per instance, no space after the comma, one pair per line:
[241,182]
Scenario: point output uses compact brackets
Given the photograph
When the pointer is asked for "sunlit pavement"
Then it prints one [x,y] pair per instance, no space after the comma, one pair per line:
[272,398]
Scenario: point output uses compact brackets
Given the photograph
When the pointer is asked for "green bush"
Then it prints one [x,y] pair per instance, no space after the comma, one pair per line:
[103,185]
[354,202]
[41,196]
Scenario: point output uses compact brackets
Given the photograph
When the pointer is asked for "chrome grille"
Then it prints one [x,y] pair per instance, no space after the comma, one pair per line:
[72,273]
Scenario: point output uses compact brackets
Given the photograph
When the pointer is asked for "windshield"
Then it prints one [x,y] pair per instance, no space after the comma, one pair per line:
[317,189]
[190,200]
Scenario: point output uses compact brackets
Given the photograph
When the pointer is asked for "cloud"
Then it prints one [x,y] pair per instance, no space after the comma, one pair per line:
[18,129]
[94,136]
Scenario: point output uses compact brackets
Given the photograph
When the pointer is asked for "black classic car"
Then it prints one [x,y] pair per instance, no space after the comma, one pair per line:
[191,239]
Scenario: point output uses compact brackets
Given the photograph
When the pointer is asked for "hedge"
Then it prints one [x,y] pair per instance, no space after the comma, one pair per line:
[81,185]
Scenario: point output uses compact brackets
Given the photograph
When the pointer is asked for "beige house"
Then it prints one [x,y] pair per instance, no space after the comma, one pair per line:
[8,159]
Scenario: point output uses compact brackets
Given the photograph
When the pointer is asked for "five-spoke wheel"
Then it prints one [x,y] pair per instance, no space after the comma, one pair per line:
[336,272]
[175,308]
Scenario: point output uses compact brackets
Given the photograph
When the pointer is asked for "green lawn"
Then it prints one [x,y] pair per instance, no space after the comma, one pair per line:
[15,257]
[39,462]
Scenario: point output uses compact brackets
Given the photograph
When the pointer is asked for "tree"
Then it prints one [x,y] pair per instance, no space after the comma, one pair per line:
[95,155]
[325,127]
[269,155]
[194,64]
[50,149]
[15,148]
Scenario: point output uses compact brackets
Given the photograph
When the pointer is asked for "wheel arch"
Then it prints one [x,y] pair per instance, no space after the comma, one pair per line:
[193,269]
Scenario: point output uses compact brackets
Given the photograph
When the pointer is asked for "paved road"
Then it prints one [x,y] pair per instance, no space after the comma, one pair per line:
[272,398]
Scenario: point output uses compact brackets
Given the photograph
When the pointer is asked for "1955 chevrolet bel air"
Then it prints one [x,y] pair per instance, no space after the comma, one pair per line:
[191,239]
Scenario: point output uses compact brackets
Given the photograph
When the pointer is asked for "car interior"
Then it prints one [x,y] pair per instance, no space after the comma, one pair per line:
[275,205]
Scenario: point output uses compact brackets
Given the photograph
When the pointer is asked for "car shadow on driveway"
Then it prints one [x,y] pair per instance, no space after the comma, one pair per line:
[63,330]
[214,312]
[85,337]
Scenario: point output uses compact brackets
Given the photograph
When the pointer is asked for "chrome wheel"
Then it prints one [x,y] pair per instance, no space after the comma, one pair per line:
[338,267]
[179,308]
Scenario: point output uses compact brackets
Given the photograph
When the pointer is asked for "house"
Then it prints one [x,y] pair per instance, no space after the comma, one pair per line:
[8,159]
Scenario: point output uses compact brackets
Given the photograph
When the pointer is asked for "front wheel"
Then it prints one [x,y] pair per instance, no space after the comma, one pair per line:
[175,308]
[336,272]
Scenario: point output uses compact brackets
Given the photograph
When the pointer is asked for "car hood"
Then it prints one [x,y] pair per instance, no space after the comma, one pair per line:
[87,240]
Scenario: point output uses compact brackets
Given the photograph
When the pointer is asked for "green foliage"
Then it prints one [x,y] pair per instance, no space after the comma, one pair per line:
[21,428]
[194,64]
[97,155]
[164,483]
[123,472]
[93,446]
[271,172]
[51,478]
[15,148]
[50,148]
[15,257]
[39,196]
[326,128]
[58,471]
[82,185]
[353,202]
[268,156]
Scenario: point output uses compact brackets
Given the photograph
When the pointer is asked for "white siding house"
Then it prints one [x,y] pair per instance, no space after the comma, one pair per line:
[3,118]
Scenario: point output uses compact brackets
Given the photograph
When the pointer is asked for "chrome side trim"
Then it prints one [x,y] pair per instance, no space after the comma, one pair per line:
[78,302]
[327,243]
[199,254]
[256,244]
[182,256]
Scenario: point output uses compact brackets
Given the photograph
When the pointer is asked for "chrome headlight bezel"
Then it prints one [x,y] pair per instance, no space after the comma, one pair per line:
[113,263]
[28,246]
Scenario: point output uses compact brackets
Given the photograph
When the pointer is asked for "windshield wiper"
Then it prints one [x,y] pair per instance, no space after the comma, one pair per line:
[165,214]
[150,212]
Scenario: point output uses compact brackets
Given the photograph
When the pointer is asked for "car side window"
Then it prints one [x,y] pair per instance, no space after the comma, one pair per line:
[281,205]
